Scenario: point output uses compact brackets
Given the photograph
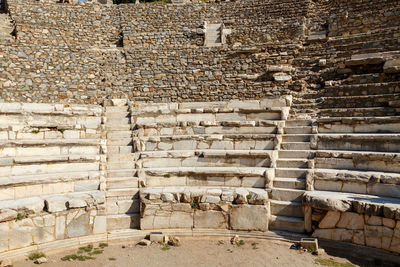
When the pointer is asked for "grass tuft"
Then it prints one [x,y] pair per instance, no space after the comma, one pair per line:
[167,175]
[73,257]
[20,216]
[112,259]
[88,248]
[195,205]
[103,245]
[36,131]
[254,245]
[240,243]
[36,255]
[333,263]
[165,247]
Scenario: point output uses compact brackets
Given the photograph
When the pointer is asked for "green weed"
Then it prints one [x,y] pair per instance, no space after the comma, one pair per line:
[332,263]
[36,255]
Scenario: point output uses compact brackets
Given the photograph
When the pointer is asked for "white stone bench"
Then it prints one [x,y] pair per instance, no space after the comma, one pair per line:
[359,125]
[204,207]
[357,218]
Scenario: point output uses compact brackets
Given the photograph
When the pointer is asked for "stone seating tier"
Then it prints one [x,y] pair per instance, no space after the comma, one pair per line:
[357,218]
[204,207]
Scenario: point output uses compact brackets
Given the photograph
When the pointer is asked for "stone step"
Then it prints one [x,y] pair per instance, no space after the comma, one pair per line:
[298,130]
[290,172]
[296,138]
[119,142]
[122,192]
[123,221]
[292,163]
[119,134]
[220,171]
[283,223]
[359,112]
[118,122]
[122,182]
[117,114]
[115,150]
[296,154]
[289,183]
[120,127]
[119,165]
[122,173]
[122,206]
[130,157]
[286,208]
[295,146]
[117,109]
[285,194]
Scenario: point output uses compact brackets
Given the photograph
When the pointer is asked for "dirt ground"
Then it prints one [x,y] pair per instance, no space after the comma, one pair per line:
[192,252]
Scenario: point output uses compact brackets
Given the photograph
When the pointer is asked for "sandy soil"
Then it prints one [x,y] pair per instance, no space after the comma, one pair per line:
[193,252]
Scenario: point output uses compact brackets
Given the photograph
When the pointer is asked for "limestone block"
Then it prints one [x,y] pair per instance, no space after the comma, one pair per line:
[100,224]
[185,145]
[392,66]
[364,59]
[42,235]
[324,185]
[342,235]
[373,220]
[7,215]
[351,220]
[196,117]
[210,219]
[29,205]
[388,222]
[117,222]
[6,193]
[86,185]
[249,218]
[70,134]
[79,226]
[257,182]
[76,203]
[360,188]
[388,190]
[210,199]
[395,244]
[323,233]
[330,220]
[3,237]
[358,237]
[20,237]
[49,220]
[56,203]
[281,77]
[181,220]
[373,236]
[387,234]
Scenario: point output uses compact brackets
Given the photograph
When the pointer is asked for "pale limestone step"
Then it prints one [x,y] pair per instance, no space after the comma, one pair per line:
[206,153]
[120,127]
[292,163]
[298,130]
[119,134]
[287,138]
[117,109]
[122,206]
[130,157]
[119,149]
[296,146]
[285,194]
[296,123]
[120,165]
[296,154]
[286,208]
[283,223]
[119,122]
[290,172]
[123,221]
[122,192]
[290,183]
[119,142]
[117,115]
[122,182]
[129,172]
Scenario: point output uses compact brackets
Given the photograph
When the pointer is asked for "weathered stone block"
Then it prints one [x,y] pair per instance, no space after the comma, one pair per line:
[210,219]
[330,220]
[249,218]
[350,220]
[79,226]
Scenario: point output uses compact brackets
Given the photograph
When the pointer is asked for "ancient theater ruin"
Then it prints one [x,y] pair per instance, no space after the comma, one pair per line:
[199,117]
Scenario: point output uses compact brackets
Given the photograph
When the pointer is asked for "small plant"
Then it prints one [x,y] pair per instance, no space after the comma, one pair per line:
[248,197]
[20,216]
[167,175]
[103,245]
[96,252]
[254,245]
[240,243]
[36,131]
[36,255]
[165,247]
[112,259]
[332,263]
[61,130]
[88,248]
[312,250]
[73,257]
[195,205]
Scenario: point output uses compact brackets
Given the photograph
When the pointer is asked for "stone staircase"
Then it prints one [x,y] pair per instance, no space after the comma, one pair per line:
[289,184]
[122,182]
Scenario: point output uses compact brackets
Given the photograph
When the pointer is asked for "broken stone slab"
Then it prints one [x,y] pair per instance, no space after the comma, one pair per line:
[392,66]
[7,215]
[249,218]
[366,59]
[28,205]
[281,77]
[56,203]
